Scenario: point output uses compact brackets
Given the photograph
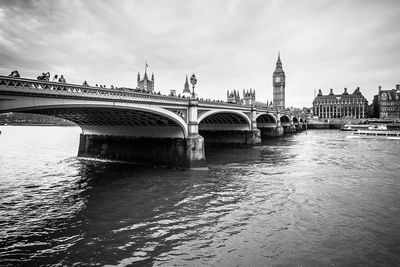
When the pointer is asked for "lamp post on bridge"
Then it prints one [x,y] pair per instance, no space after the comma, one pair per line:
[193,81]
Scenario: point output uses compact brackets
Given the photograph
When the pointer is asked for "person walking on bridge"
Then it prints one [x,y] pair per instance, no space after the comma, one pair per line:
[62,79]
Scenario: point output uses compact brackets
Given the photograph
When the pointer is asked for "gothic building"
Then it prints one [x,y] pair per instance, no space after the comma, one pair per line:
[145,84]
[186,89]
[233,97]
[249,97]
[340,106]
[278,81]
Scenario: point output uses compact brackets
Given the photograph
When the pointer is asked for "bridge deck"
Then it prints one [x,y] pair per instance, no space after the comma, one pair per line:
[23,86]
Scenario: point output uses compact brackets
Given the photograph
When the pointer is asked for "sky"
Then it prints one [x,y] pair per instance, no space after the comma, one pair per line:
[228,44]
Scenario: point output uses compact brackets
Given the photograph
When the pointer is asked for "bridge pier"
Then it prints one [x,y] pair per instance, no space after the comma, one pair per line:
[195,154]
[146,148]
[252,137]
[289,129]
[272,131]
[163,152]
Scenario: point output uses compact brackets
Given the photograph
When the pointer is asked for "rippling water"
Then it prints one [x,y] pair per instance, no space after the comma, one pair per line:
[309,199]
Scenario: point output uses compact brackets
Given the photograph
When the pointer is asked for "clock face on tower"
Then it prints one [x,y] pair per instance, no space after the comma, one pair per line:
[277,79]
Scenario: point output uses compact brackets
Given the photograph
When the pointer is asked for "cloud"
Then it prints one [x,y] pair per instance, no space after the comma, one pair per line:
[228,44]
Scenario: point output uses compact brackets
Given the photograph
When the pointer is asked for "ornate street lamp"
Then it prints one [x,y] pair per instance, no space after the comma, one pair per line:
[193,81]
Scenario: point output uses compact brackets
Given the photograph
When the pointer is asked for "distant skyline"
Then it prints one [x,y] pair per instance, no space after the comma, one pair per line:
[227,44]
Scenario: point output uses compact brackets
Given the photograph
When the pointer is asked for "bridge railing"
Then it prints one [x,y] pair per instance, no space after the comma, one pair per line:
[82,90]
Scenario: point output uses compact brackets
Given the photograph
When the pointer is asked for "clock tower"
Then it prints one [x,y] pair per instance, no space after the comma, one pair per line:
[278,81]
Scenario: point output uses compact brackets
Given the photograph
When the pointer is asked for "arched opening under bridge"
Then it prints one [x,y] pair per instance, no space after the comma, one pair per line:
[155,137]
[226,127]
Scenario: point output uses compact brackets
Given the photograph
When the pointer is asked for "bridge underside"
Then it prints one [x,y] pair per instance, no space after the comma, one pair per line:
[287,125]
[117,122]
[224,121]
[130,135]
[226,128]
[268,126]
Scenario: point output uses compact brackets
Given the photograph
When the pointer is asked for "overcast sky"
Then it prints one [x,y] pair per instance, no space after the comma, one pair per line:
[228,44]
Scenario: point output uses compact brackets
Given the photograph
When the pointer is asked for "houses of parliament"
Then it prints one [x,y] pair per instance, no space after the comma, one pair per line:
[248,97]
[278,83]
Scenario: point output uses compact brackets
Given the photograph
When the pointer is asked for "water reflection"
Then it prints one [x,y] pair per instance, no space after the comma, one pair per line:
[143,214]
[313,198]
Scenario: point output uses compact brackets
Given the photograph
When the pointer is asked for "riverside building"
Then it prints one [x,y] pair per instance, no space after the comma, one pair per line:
[344,105]
[388,103]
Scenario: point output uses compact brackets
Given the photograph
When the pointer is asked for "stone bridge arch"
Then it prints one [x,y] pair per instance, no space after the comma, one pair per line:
[123,119]
[285,120]
[227,127]
[224,120]
[265,120]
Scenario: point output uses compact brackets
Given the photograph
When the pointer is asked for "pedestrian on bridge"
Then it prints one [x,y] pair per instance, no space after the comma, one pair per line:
[14,74]
[61,79]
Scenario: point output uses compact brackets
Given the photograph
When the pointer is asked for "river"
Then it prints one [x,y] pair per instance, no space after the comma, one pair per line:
[310,199]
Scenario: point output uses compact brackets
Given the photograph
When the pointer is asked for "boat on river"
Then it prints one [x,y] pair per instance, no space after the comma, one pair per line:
[354,127]
[376,132]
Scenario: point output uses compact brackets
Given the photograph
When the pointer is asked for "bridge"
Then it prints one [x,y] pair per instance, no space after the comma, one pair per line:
[131,125]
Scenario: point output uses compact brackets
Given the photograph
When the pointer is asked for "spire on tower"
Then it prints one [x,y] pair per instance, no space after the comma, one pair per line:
[279,62]
[152,82]
[186,89]
[145,71]
[278,68]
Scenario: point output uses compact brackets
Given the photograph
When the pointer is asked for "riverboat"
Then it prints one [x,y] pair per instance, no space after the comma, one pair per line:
[354,127]
[375,134]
